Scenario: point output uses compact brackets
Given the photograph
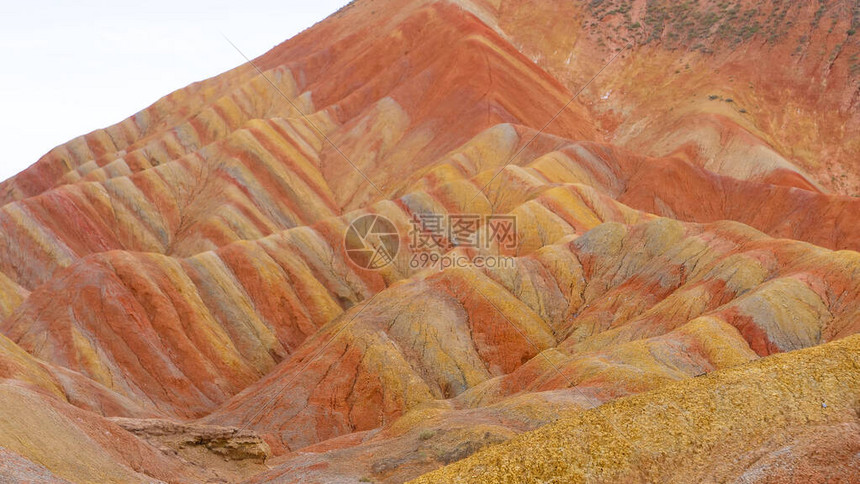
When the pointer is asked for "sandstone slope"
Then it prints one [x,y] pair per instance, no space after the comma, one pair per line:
[176,302]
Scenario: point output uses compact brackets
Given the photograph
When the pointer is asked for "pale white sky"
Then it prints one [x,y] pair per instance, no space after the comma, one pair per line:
[67,68]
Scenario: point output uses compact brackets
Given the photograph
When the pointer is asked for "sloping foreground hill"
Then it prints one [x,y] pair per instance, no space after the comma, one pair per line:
[791,417]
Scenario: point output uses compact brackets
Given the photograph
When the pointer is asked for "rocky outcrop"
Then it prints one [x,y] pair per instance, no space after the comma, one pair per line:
[228,442]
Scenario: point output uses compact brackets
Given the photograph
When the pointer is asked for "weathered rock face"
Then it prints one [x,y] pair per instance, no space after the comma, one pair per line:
[177,304]
[764,91]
